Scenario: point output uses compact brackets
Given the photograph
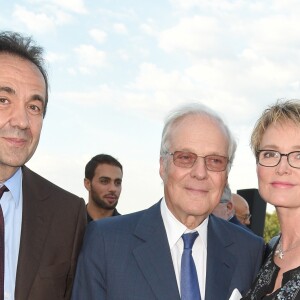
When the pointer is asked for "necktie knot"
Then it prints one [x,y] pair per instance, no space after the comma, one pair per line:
[2,190]
[189,239]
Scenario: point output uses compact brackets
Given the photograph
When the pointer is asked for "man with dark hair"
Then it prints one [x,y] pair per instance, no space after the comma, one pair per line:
[41,225]
[103,181]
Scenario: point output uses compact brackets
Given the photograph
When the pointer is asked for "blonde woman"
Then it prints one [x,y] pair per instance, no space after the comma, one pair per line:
[275,142]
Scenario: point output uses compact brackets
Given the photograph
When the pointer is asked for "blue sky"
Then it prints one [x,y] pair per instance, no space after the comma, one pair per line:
[117,67]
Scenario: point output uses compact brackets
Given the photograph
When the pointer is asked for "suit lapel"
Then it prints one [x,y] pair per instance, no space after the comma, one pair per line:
[35,223]
[220,262]
[154,256]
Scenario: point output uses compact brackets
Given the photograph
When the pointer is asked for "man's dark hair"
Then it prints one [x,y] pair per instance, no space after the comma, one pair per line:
[100,159]
[23,46]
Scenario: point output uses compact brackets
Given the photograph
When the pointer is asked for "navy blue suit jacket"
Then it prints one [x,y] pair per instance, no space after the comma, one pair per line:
[128,257]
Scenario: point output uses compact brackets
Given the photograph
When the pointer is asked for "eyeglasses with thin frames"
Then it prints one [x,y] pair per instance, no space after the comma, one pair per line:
[272,158]
[245,217]
[184,159]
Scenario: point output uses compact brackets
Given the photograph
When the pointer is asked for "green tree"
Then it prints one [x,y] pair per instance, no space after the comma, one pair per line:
[272,227]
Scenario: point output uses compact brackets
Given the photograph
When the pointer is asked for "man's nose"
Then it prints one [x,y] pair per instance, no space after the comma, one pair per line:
[199,169]
[19,117]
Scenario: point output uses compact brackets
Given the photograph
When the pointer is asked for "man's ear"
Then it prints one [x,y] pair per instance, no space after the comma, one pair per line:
[162,168]
[229,206]
[87,184]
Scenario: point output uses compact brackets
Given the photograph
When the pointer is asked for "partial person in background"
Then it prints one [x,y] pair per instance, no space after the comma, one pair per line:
[225,208]
[175,249]
[241,208]
[103,181]
[275,141]
[43,225]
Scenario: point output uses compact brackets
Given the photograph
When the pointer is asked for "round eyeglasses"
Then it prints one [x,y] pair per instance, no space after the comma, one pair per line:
[271,158]
[215,163]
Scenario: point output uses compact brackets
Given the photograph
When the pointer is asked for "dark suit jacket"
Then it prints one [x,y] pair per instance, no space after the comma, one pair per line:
[235,221]
[128,257]
[53,224]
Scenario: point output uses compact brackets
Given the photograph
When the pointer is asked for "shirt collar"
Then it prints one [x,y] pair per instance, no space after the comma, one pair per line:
[14,184]
[176,229]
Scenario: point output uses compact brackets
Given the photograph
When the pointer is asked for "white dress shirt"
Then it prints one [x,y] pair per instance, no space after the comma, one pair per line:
[11,203]
[175,230]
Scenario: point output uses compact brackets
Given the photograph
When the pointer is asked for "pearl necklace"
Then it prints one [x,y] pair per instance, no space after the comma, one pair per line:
[280,252]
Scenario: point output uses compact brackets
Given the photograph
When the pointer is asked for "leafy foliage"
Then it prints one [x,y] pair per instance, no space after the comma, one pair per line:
[272,227]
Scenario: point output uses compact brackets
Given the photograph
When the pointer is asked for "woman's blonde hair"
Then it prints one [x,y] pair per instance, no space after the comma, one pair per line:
[281,111]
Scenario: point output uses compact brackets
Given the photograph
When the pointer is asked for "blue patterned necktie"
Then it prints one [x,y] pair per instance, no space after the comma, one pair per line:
[189,285]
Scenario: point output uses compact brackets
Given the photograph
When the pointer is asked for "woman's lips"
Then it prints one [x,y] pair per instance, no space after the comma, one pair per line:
[282,184]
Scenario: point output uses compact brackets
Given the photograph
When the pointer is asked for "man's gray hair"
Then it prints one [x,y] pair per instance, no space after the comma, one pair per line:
[195,109]
[226,196]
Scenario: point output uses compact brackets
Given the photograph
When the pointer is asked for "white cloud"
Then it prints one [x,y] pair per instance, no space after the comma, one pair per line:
[249,54]
[275,34]
[227,86]
[61,18]
[290,7]
[72,71]
[295,85]
[98,35]
[120,28]
[76,6]
[35,22]
[52,57]
[100,95]
[148,28]
[193,34]
[151,77]
[219,5]
[152,93]
[40,22]
[123,54]
[89,58]
[121,14]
